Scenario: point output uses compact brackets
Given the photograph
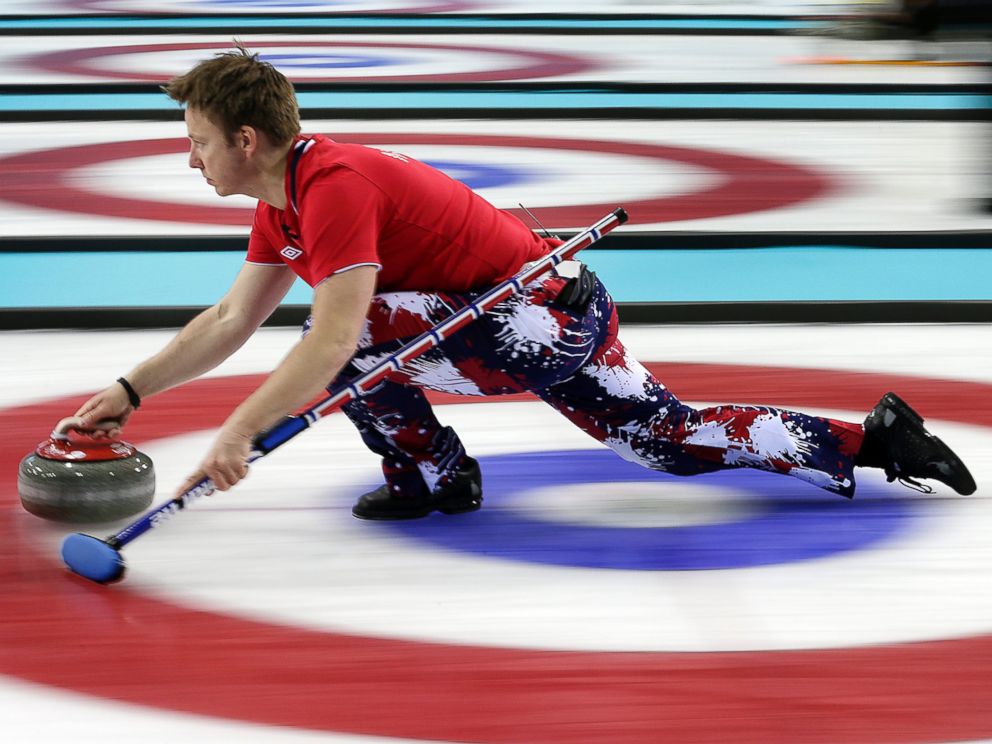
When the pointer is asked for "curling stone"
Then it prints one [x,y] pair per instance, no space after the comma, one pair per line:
[78,478]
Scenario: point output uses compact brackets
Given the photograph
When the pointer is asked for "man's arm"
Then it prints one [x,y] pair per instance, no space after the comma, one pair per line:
[340,305]
[206,341]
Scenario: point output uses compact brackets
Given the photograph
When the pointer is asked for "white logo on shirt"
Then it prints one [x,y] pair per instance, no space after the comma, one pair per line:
[396,155]
[290,252]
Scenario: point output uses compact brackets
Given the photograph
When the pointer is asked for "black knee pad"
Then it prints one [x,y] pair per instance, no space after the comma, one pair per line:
[578,290]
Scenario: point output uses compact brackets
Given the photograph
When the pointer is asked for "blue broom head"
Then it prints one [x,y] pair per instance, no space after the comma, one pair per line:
[92,558]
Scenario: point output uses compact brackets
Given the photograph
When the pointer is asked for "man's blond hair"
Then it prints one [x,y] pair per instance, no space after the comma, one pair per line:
[236,89]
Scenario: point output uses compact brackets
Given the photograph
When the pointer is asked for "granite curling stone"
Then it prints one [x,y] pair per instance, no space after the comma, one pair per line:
[82,479]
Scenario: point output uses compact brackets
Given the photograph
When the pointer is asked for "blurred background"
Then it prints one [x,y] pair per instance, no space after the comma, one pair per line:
[810,192]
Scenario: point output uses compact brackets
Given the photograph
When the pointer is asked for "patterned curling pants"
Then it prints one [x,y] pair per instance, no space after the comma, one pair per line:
[573,360]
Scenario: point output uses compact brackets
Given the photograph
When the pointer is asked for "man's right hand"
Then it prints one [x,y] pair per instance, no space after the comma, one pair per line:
[111,404]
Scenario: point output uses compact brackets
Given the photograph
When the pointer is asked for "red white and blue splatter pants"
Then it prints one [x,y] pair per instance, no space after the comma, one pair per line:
[573,360]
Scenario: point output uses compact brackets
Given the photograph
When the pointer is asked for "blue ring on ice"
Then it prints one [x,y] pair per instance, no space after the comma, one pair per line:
[791,520]
[482,175]
[323,61]
[269,3]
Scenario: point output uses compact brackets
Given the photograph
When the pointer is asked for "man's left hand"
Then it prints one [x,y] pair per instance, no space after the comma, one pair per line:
[225,464]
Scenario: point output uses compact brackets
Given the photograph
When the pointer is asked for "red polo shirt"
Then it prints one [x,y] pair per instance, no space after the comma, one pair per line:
[350,205]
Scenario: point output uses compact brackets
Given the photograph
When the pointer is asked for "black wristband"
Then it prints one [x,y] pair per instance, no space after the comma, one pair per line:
[132,396]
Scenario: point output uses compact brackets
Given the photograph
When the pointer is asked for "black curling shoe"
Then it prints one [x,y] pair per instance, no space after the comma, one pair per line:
[462,494]
[906,450]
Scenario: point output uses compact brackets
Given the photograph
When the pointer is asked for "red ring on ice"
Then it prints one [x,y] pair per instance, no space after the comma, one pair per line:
[102,6]
[749,184]
[114,643]
[533,64]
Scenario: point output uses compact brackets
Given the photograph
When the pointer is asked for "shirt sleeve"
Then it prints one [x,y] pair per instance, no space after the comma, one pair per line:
[260,247]
[341,218]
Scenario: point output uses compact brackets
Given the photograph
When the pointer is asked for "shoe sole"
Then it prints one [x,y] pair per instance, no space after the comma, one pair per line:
[959,467]
[461,508]
[450,509]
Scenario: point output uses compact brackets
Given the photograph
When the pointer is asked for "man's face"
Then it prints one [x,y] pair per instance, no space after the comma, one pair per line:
[210,152]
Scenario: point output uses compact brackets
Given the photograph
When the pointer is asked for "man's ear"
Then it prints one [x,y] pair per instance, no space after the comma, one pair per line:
[246,140]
